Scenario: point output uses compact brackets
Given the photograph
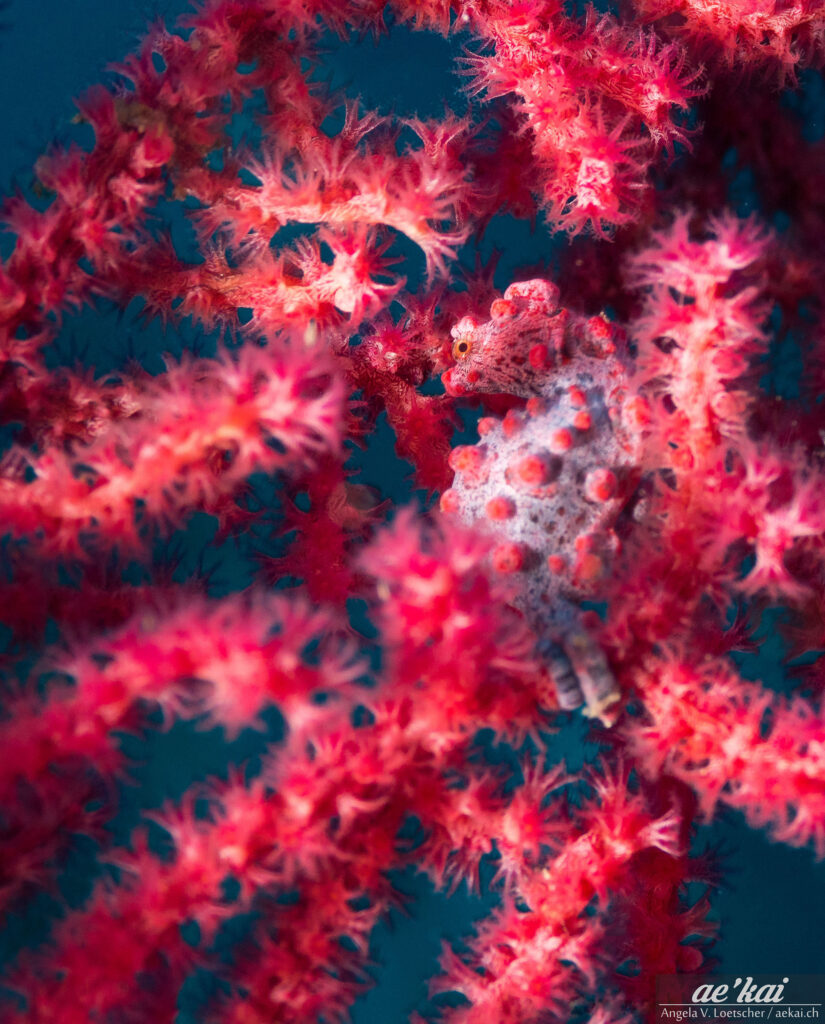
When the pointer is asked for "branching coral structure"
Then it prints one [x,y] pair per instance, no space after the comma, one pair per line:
[613,494]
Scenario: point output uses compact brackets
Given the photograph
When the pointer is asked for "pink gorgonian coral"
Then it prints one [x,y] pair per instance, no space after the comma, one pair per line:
[476,414]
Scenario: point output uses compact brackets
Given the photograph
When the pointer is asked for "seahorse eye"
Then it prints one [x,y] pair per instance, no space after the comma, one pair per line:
[462,348]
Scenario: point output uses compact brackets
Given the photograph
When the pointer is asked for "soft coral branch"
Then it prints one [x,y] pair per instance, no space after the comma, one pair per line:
[700,327]
[736,743]
[528,962]
[218,662]
[203,429]
[418,193]
[746,34]
[597,102]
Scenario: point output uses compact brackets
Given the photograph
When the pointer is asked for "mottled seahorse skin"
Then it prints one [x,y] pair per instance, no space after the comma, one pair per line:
[551,480]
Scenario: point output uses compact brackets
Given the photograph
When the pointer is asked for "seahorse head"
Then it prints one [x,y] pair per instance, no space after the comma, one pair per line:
[528,338]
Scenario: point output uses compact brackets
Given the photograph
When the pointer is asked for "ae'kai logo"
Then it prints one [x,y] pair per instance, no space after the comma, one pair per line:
[731,998]
[749,992]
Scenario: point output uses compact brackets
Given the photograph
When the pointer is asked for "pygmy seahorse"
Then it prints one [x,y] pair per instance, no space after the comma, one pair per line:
[550,480]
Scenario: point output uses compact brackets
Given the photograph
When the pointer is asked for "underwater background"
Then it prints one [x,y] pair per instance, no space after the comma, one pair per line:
[771,904]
